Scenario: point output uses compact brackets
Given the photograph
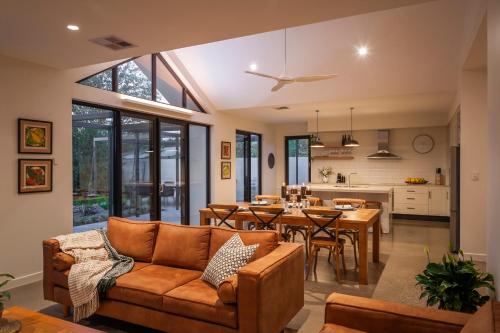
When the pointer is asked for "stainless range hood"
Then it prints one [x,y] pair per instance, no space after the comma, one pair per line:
[383,152]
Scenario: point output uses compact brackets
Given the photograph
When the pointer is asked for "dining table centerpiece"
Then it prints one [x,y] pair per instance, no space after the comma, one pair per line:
[325,173]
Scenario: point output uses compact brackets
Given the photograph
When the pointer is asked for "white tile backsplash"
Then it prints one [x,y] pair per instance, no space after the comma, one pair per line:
[368,171]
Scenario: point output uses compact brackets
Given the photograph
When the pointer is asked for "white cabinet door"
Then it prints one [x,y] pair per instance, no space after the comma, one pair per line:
[439,202]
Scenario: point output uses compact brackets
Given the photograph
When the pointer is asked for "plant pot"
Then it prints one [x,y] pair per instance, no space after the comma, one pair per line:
[325,179]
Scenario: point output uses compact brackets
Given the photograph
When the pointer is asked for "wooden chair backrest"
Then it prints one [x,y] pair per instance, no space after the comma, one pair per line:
[359,203]
[326,221]
[223,212]
[315,201]
[270,216]
[272,198]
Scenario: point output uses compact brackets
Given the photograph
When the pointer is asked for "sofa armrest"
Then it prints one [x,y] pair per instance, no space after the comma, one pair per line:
[376,316]
[50,249]
[271,290]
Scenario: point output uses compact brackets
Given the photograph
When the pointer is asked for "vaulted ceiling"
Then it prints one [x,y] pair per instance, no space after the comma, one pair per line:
[416,55]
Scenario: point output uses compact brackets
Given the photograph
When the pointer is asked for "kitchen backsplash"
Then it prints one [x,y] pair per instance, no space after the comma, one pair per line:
[368,171]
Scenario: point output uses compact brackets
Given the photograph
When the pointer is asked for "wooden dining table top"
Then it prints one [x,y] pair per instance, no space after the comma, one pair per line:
[361,215]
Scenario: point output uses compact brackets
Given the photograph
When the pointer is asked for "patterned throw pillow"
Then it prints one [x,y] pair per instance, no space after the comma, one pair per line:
[227,260]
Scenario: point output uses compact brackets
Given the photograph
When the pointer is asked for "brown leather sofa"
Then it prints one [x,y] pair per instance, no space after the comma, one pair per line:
[164,290]
[351,314]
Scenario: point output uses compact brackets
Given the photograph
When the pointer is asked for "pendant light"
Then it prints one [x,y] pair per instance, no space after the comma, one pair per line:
[350,141]
[315,141]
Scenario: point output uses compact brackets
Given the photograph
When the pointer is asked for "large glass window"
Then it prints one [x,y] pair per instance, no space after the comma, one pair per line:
[297,161]
[134,77]
[92,166]
[149,77]
[198,171]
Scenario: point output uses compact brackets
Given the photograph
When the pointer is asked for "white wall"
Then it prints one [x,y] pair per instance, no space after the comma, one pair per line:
[493,141]
[473,162]
[412,164]
[34,92]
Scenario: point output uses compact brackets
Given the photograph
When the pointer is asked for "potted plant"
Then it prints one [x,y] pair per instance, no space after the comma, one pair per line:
[325,172]
[453,283]
[4,295]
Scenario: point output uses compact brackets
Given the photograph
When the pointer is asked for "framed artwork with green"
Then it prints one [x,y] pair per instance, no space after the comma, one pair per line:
[34,175]
[35,136]
[225,170]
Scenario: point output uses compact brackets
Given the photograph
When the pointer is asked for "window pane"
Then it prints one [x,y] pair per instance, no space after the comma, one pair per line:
[298,160]
[254,165]
[137,178]
[134,77]
[292,159]
[168,90]
[100,81]
[191,105]
[198,177]
[92,167]
[240,167]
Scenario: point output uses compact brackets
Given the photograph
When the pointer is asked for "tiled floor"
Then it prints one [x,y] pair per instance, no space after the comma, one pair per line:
[402,256]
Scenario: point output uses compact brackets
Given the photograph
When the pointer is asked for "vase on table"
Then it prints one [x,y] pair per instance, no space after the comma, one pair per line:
[324,179]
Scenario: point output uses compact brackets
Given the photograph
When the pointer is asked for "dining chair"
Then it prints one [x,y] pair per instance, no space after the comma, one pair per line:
[352,234]
[272,199]
[293,230]
[269,218]
[323,234]
[222,213]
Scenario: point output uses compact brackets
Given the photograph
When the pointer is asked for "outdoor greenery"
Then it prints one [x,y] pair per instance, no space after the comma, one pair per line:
[101,80]
[299,146]
[4,295]
[453,284]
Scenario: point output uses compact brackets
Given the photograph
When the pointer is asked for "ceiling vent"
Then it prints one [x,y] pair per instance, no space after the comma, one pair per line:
[112,42]
[282,108]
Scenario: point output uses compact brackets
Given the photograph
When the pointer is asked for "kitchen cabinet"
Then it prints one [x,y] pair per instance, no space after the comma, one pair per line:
[422,200]
[439,201]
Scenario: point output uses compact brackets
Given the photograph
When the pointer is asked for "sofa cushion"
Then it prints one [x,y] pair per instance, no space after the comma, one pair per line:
[146,286]
[231,256]
[481,321]
[332,328]
[267,240]
[199,300]
[228,290]
[182,246]
[133,239]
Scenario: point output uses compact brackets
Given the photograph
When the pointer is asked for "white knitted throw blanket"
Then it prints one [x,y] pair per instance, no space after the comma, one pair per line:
[91,264]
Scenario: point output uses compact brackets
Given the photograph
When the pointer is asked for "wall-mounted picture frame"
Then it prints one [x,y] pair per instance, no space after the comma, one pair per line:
[225,170]
[225,150]
[34,136]
[34,175]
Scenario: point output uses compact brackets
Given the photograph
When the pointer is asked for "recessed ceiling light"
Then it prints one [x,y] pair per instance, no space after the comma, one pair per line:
[73,27]
[362,51]
[253,66]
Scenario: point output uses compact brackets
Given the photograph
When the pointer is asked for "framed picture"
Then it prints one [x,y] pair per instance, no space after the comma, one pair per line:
[34,176]
[35,137]
[225,170]
[225,150]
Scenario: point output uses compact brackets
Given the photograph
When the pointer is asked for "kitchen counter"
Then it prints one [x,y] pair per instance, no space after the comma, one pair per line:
[353,188]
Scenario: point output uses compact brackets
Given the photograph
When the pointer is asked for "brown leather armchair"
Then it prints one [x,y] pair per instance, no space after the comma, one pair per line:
[351,314]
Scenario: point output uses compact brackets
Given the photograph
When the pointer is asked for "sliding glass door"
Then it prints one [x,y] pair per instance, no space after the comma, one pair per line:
[248,165]
[137,162]
[172,173]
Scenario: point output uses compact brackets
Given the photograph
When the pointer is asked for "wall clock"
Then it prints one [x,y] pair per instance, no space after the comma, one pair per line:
[423,144]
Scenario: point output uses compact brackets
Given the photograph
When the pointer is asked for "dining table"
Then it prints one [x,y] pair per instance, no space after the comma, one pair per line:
[361,219]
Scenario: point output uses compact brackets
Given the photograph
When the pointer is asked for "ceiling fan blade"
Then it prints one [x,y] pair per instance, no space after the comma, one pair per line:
[278,86]
[312,78]
[263,75]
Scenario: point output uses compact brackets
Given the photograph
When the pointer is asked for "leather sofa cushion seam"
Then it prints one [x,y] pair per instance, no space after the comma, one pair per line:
[395,314]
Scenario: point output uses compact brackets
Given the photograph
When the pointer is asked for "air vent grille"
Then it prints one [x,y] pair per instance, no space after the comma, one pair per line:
[282,108]
[112,42]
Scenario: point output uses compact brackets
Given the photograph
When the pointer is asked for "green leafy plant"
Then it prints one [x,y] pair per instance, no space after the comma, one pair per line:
[453,283]
[4,295]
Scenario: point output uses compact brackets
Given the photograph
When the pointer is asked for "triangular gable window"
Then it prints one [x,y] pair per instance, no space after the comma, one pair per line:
[149,77]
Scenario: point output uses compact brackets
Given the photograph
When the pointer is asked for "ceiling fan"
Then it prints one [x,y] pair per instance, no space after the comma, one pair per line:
[284,79]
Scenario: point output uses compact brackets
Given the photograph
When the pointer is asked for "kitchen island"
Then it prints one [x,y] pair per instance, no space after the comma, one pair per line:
[383,194]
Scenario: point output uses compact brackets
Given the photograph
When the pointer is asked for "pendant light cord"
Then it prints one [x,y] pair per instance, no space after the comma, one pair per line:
[284,71]
[351,123]
[317,124]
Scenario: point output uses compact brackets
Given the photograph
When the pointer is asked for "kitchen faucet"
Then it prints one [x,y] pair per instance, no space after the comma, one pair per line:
[349,177]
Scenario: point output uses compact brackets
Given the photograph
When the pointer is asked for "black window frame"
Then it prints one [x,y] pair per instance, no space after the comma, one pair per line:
[247,192]
[287,172]
[116,148]
[155,57]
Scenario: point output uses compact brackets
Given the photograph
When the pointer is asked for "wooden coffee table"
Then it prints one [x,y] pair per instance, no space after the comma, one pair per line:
[35,322]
